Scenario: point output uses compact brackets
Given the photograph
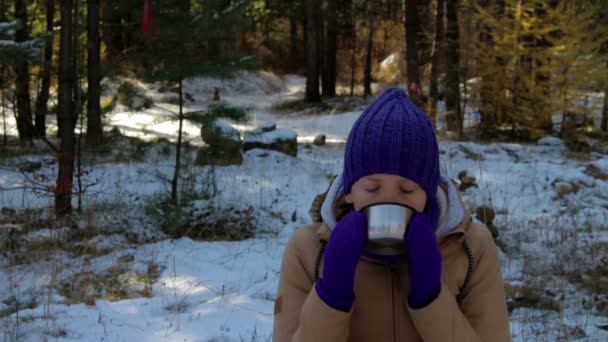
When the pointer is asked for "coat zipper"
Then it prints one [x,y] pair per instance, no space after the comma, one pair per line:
[392,267]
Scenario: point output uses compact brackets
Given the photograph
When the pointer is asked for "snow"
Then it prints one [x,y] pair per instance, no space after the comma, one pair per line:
[227,130]
[551,141]
[224,291]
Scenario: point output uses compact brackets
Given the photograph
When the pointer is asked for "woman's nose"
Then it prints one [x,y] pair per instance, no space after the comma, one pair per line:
[390,195]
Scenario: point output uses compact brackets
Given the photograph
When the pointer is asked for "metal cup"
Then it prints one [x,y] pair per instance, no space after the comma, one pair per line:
[386,227]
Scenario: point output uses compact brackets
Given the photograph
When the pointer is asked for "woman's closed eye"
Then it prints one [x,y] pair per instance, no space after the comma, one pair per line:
[406,190]
[372,189]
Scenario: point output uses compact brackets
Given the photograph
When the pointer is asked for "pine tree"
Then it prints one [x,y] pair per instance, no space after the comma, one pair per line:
[15,53]
[174,54]
[94,76]
[367,73]
[47,66]
[436,60]
[411,22]
[66,116]
[453,116]
[576,55]
[533,59]
[313,48]
[12,51]
[329,53]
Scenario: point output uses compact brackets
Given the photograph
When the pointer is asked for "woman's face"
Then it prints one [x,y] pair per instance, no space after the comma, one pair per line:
[381,187]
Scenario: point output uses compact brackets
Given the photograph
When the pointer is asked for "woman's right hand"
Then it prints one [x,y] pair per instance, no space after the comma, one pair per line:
[340,259]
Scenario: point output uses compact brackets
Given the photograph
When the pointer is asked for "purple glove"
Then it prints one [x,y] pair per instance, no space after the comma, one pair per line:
[424,262]
[340,260]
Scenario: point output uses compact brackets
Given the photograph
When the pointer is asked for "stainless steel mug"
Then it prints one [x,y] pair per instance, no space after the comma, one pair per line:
[386,226]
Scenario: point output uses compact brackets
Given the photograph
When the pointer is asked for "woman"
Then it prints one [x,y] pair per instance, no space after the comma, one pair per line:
[447,286]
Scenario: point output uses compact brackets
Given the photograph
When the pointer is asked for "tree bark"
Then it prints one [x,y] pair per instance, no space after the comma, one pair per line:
[424,25]
[331,37]
[436,61]
[604,124]
[94,129]
[367,72]
[452,89]
[293,42]
[77,109]
[411,36]
[313,56]
[178,147]
[111,30]
[47,66]
[353,60]
[65,117]
[22,82]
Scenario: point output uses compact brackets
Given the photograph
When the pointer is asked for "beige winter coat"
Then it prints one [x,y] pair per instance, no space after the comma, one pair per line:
[380,311]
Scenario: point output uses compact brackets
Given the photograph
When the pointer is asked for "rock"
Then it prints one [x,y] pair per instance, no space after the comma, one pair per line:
[495,232]
[551,141]
[132,284]
[220,133]
[564,188]
[466,181]
[485,214]
[470,154]
[224,145]
[319,140]
[519,296]
[575,333]
[281,139]
[267,126]
[29,166]
[596,172]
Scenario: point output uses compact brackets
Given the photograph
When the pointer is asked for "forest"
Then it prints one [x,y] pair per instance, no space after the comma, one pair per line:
[139,136]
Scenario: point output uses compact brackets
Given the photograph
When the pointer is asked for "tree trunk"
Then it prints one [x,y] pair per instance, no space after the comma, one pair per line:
[604,124]
[76,59]
[329,67]
[111,30]
[411,31]
[3,10]
[452,89]
[43,96]
[424,42]
[22,82]
[94,129]
[184,5]
[353,62]
[178,147]
[367,73]
[293,42]
[65,117]
[313,56]
[3,68]
[490,109]
[436,62]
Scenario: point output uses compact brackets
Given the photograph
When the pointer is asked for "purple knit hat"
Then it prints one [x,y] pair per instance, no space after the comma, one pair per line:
[394,136]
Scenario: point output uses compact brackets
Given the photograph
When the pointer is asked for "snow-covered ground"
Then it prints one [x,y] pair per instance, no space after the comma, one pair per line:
[552,214]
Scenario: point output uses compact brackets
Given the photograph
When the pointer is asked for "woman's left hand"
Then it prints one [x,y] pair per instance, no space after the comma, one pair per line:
[424,260]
